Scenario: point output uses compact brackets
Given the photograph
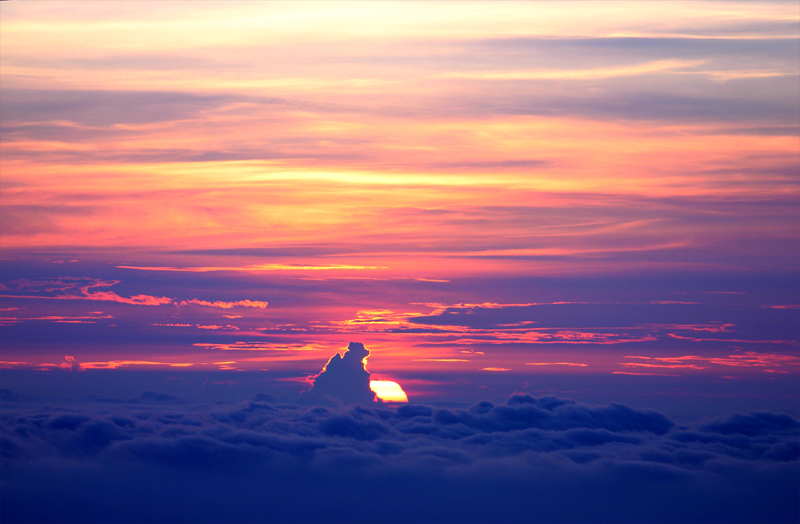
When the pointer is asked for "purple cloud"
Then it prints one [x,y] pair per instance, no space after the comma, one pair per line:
[416,463]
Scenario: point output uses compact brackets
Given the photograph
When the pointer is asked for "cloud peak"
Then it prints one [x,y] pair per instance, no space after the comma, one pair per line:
[345,377]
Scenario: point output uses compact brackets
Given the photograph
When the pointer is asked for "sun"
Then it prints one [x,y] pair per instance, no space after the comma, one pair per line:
[388,391]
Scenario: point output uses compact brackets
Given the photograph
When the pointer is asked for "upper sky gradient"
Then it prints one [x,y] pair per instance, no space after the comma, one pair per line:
[485,194]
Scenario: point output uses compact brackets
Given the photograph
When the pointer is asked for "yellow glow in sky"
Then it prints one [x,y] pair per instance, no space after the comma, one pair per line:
[388,391]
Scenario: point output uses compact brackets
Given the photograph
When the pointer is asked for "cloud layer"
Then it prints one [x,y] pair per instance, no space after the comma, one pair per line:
[544,459]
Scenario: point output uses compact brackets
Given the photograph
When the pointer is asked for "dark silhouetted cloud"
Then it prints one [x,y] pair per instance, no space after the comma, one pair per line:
[345,378]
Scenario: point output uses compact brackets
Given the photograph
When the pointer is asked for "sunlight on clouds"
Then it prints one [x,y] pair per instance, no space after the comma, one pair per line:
[261,346]
[555,364]
[441,360]
[260,304]
[411,171]
[256,267]
[745,359]
[581,74]
[388,391]
[114,364]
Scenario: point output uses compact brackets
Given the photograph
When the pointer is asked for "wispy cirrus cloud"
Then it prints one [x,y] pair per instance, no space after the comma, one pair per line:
[114,364]
[669,366]
[480,332]
[225,305]
[493,337]
[597,73]
[75,288]
[744,359]
[634,373]
[257,267]
[227,327]
[92,319]
[573,364]
[733,340]
[70,363]
[78,288]
[442,360]
[261,346]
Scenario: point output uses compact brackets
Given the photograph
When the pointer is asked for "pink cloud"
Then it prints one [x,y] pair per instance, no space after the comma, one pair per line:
[784,306]
[260,346]
[696,339]
[70,288]
[110,296]
[225,305]
[258,267]
[544,336]
[8,364]
[139,300]
[555,364]
[643,374]
[669,366]
[70,364]
[114,364]
[56,318]
[747,359]
[441,360]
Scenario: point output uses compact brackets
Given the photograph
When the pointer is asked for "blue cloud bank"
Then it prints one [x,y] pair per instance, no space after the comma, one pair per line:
[530,459]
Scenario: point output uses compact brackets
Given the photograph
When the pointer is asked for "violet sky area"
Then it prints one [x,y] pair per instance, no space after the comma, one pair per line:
[401,262]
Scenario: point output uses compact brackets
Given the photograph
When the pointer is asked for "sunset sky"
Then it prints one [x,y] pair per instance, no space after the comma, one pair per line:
[594,200]
[460,186]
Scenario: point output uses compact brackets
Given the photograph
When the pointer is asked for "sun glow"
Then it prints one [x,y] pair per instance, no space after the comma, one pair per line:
[388,391]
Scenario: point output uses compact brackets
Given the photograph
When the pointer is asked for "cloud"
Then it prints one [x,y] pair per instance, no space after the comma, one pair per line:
[746,359]
[58,319]
[596,73]
[114,364]
[345,377]
[528,459]
[81,288]
[70,364]
[139,300]
[225,305]
[105,108]
[574,364]
[259,346]
[442,360]
[605,323]
[669,366]
[256,267]
[78,288]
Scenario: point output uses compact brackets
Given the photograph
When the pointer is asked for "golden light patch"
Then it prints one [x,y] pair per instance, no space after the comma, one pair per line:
[388,391]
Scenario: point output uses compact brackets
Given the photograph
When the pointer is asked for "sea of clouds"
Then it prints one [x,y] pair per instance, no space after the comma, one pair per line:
[156,458]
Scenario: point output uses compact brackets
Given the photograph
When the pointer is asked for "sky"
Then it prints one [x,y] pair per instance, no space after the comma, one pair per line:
[202,204]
